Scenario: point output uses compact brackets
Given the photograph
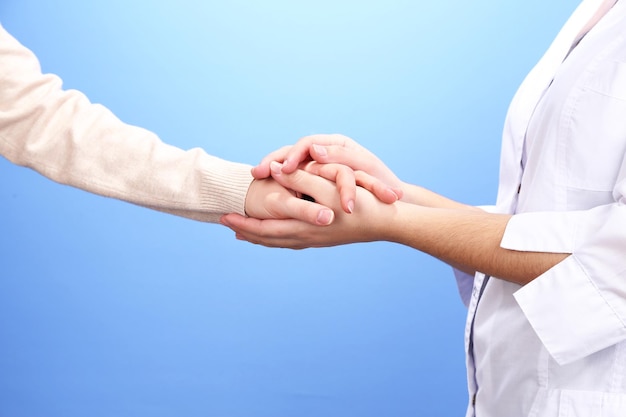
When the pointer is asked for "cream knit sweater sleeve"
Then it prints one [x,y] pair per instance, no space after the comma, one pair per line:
[70,140]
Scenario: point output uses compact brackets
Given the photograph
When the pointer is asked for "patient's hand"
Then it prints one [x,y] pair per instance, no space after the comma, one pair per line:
[267,199]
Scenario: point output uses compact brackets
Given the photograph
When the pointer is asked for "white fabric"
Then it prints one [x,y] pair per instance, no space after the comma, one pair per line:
[557,346]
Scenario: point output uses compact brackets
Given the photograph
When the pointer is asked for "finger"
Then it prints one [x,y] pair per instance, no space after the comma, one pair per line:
[268,199]
[301,209]
[345,180]
[297,154]
[322,190]
[355,158]
[271,233]
[290,206]
[301,151]
[382,191]
[262,170]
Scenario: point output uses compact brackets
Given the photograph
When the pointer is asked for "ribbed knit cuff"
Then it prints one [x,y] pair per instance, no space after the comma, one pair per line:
[224,186]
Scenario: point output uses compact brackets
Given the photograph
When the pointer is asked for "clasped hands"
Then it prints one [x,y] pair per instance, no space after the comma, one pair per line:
[358,199]
[353,191]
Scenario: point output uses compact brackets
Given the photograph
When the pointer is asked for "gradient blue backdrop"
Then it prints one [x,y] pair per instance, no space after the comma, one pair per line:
[108,309]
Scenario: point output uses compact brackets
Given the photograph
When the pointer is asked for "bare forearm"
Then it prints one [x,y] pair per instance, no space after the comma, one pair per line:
[415,194]
[469,239]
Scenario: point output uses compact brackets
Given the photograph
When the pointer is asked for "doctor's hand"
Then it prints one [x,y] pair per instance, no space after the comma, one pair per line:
[368,170]
[368,222]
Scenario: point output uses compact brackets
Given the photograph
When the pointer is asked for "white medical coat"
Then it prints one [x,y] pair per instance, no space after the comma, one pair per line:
[557,346]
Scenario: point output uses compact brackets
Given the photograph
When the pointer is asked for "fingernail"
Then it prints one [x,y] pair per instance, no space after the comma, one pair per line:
[350,206]
[276,167]
[320,150]
[394,194]
[325,217]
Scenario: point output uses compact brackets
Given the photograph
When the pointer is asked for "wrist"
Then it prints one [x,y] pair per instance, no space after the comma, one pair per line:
[251,202]
[393,222]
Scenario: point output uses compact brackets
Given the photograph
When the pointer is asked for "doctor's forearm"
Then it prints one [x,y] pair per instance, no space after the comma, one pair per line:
[416,194]
[468,240]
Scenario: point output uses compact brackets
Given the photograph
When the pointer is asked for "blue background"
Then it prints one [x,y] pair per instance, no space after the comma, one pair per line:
[108,309]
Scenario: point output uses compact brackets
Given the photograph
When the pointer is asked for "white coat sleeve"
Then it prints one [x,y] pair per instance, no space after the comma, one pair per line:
[578,307]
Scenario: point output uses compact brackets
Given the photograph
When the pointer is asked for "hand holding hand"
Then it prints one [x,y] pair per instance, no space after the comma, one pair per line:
[368,222]
[366,169]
